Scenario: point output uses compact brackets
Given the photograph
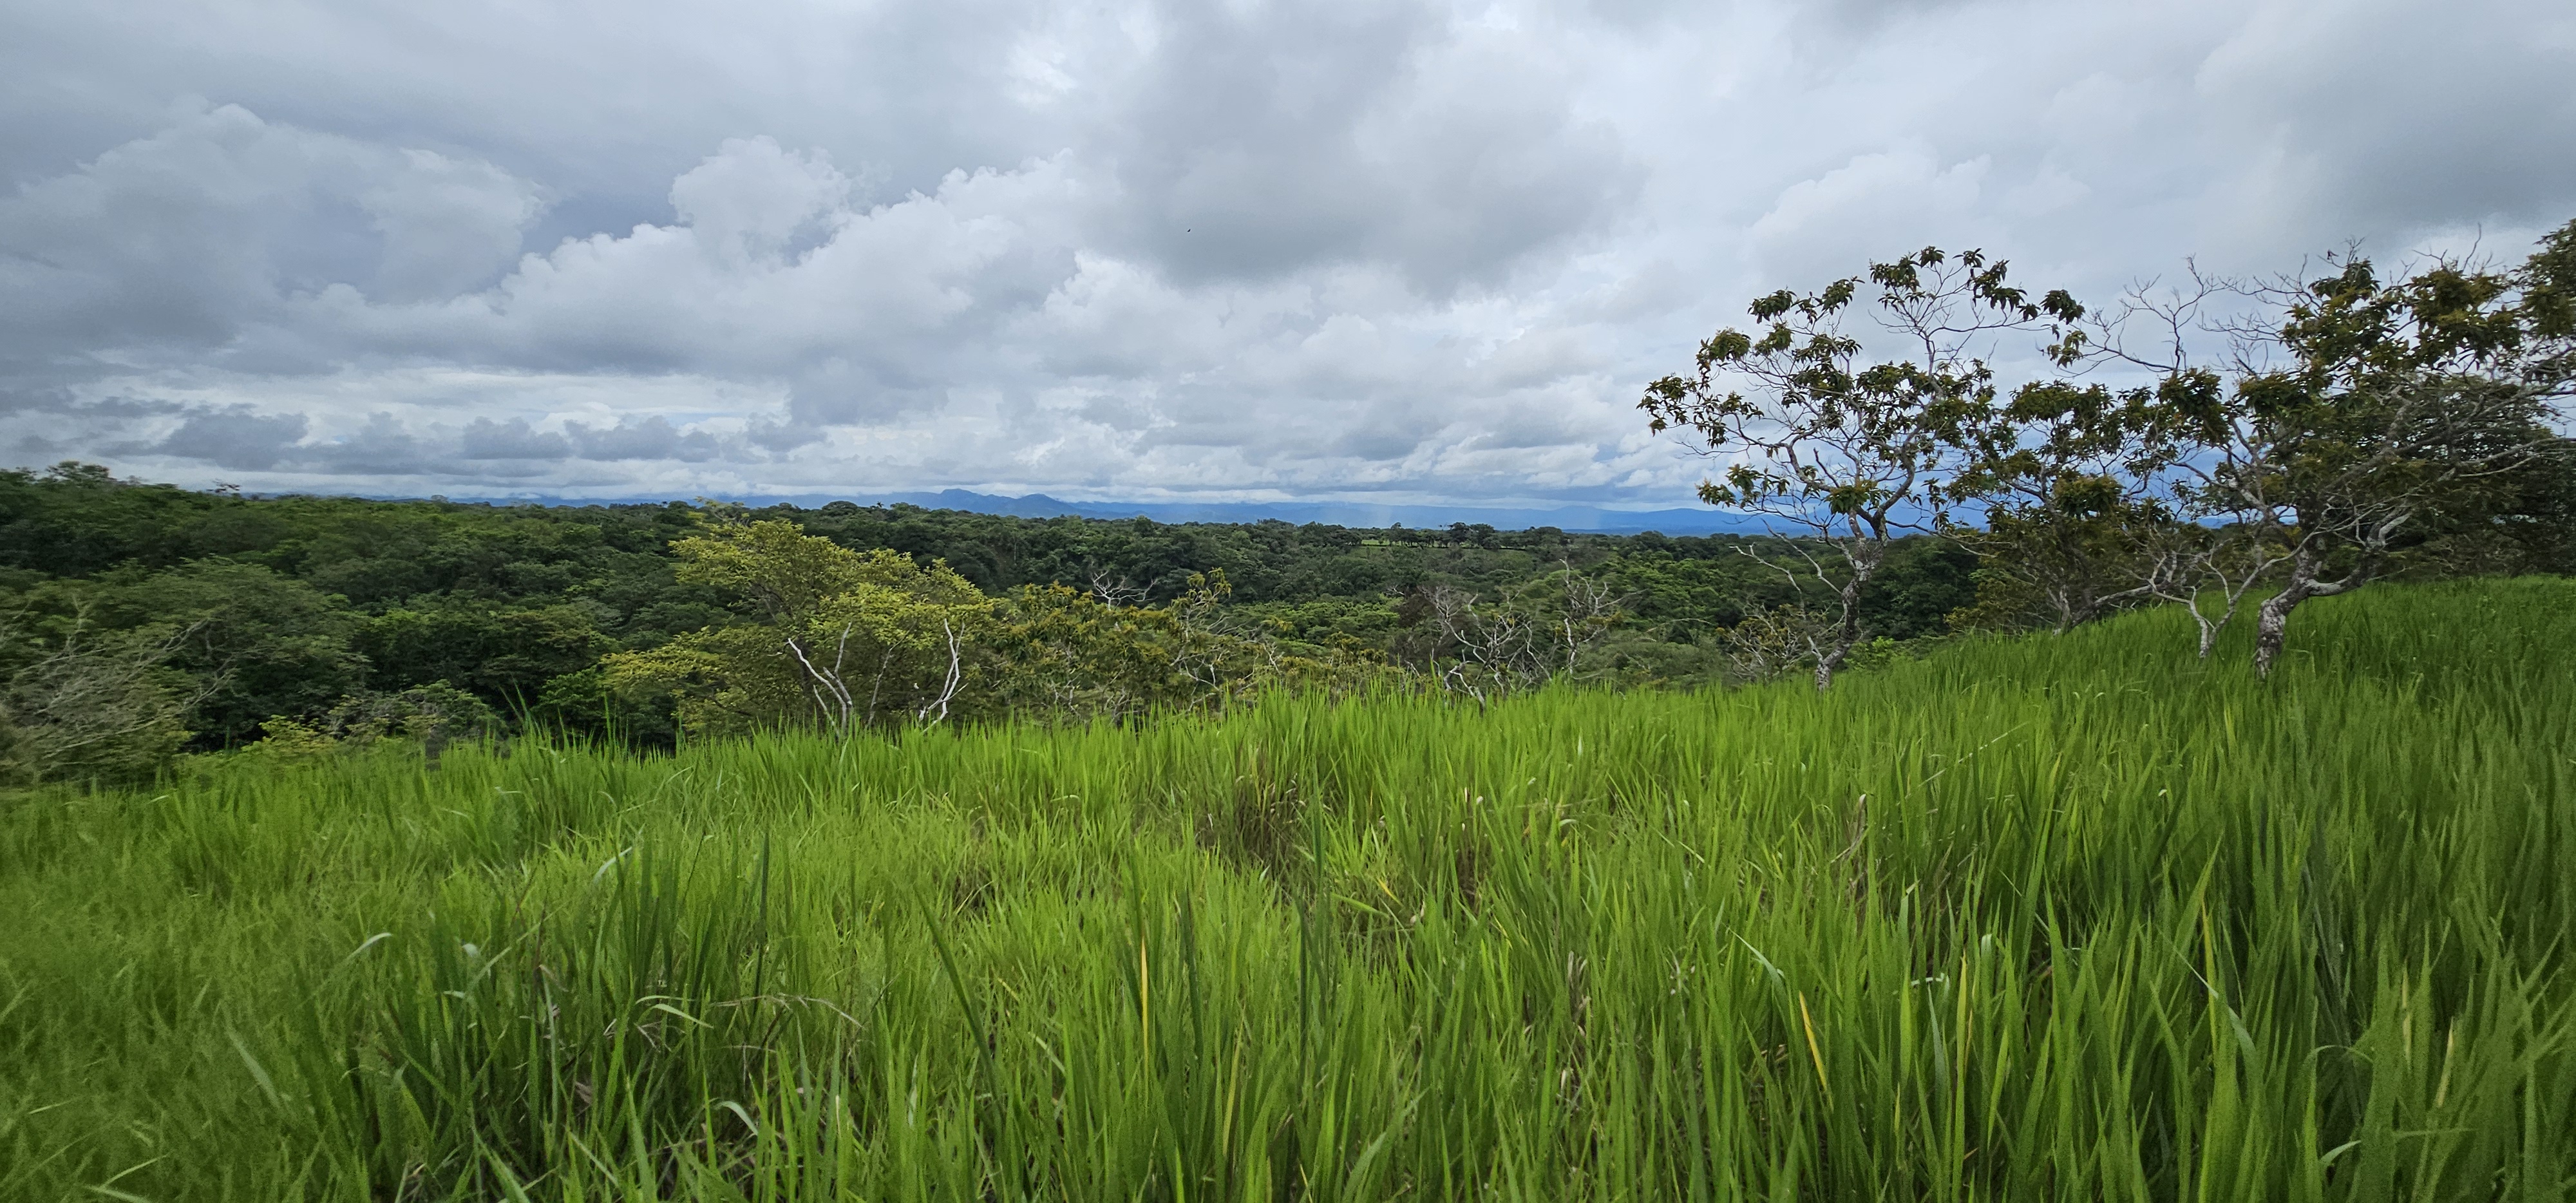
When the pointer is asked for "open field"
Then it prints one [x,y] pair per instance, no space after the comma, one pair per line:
[2064,917]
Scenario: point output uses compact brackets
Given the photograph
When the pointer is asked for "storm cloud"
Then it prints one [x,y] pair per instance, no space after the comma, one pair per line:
[1228,249]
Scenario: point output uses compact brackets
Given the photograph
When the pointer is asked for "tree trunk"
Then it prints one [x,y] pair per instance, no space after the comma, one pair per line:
[2272,619]
[2271,626]
[1846,637]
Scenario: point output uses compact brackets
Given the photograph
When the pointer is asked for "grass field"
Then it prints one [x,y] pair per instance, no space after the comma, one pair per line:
[2072,918]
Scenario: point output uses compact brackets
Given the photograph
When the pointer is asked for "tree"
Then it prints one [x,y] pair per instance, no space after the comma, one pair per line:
[2064,537]
[256,645]
[79,701]
[843,640]
[504,654]
[1526,636]
[2084,510]
[2529,526]
[1843,452]
[1072,655]
[2354,409]
[890,646]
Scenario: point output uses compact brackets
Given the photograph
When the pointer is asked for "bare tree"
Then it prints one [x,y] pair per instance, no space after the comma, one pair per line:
[1115,592]
[1766,645]
[1497,648]
[92,701]
[2172,545]
[830,690]
[1590,608]
[2208,571]
[829,681]
[1522,639]
[935,711]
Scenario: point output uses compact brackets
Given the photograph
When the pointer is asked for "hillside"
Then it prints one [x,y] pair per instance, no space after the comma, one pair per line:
[2048,917]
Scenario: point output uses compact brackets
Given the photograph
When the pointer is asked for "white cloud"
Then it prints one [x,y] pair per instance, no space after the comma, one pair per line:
[750,201]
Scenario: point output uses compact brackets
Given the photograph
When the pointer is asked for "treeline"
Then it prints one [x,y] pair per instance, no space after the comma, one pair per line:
[144,621]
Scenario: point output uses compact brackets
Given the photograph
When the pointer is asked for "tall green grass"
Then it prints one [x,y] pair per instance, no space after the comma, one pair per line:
[2070,917]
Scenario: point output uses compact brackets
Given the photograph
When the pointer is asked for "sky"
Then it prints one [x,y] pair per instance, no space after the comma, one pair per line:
[1229,250]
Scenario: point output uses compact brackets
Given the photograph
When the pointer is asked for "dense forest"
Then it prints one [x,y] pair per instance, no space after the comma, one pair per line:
[148,621]
[208,620]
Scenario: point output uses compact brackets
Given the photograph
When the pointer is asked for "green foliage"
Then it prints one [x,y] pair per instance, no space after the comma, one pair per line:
[2358,413]
[503,655]
[1068,656]
[2080,917]
[259,644]
[2525,523]
[2068,525]
[430,715]
[303,608]
[289,741]
[845,640]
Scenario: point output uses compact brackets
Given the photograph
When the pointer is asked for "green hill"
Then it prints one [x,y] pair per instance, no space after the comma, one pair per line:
[2070,917]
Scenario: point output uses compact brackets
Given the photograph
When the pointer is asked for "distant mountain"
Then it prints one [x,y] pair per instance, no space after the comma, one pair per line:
[1580,519]
[1587,519]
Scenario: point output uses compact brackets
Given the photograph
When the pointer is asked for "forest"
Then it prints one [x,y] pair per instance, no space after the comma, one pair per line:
[202,621]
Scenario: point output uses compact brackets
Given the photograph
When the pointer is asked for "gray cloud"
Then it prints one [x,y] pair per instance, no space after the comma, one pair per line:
[1413,248]
[234,438]
[512,440]
[1261,139]
[2387,116]
[177,242]
[651,438]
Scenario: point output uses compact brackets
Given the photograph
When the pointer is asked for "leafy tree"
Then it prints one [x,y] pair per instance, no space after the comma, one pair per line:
[1684,597]
[1920,584]
[2528,525]
[2065,530]
[1076,656]
[1073,655]
[504,655]
[2355,409]
[432,714]
[846,640]
[1848,452]
[256,645]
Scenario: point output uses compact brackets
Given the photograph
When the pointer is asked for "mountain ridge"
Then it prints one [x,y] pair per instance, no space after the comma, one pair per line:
[1367,515]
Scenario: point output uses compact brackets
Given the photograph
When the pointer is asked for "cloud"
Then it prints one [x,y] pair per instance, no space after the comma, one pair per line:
[173,244]
[653,438]
[2386,116]
[1907,196]
[753,199]
[1415,249]
[485,439]
[233,438]
[1259,139]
